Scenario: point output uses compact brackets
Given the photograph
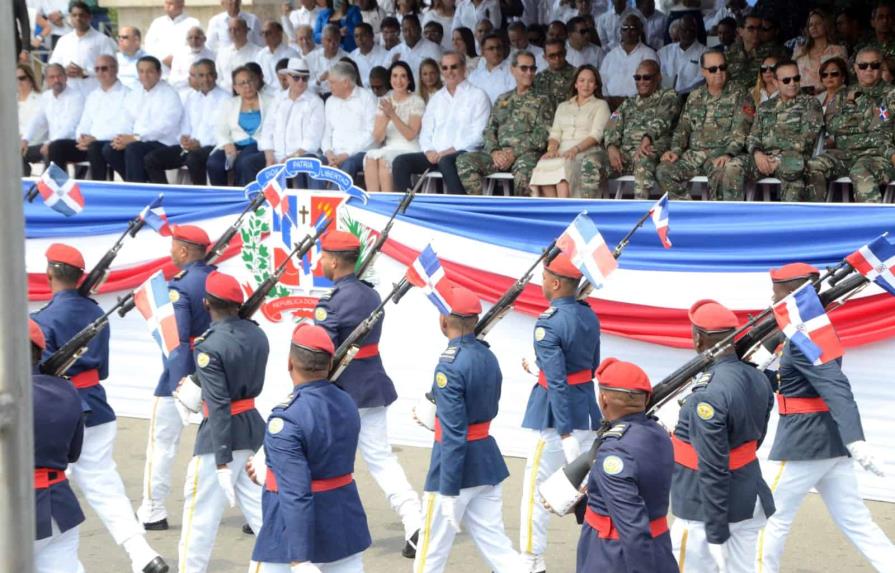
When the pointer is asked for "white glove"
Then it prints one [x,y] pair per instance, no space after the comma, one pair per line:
[304,567]
[256,467]
[225,480]
[187,398]
[570,448]
[864,455]
[183,412]
[718,551]
[448,504]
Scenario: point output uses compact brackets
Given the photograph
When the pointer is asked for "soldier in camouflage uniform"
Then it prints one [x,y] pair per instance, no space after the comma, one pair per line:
[881,20]
[556,80]
[745,56]
[782,139]
[516,134]
[858,119]
[712,130]
[639,131]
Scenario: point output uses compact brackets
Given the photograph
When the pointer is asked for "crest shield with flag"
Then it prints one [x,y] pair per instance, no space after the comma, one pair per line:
[876,261]
[659,214]
[802,318]
[59,191]
[427,273]
[154,303]
[585,246]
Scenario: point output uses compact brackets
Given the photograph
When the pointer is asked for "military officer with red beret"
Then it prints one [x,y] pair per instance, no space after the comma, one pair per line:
[231,357]
[187,291]
[625,527]
[349,303]
[818,434]
[718,497]
[562,407]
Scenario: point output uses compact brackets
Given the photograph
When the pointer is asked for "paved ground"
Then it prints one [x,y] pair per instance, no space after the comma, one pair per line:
[814,545]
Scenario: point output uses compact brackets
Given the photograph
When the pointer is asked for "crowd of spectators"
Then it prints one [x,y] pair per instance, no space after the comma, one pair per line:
[562,94]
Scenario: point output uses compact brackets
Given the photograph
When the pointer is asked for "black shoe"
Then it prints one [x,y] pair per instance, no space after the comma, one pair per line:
[409,550]
[157,565]
[247,529]
[160,525]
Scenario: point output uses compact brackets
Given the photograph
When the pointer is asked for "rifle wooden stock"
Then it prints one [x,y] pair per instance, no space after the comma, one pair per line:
[220,245]
[373,252]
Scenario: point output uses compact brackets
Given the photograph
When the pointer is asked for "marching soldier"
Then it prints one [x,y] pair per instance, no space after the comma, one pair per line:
[313,518]
[718,497]
[819,430]
[348,304]
[231,357]
[625,526]
[187,292]
[95,472]
[466,468]
[58,434]
[562,407]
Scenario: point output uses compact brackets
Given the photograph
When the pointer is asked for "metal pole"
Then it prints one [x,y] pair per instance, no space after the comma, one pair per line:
[16,439]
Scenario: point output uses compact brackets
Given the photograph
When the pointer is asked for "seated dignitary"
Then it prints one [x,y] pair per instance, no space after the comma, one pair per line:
[625,525]
[77,50]
[274,50]
[639,131]
[414,49]
[313,517]
[368,53]
[240,52]
[129,53]
[322,60]
[453,123]
[219,25]
[680,60]
[59,110]
[621,62]
[493,74]
[167,33]
[156,111]
[187,55]
[202,105]
[516,134]
[579,50]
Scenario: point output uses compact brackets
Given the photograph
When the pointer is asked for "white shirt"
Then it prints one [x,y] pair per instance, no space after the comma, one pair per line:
[349,122]
[127,69]
[296,124]
[591,54]
[609,27]
[157,113]
[618,67]
[218,37]
[655,30]
[469,15]
[455,121]
[414,56]
[105,114]
[82,51]
[378,56]
[229,58]
[268,61]
[46,7]
[166,36]
[494,82]
[184,58]
[28,108]
[298,17]
[201,112]
[57,116]
[447,24]
[319,64]
[680,68]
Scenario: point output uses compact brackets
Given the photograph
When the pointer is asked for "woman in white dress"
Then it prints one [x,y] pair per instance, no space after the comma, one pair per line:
[398,124]
[28,98]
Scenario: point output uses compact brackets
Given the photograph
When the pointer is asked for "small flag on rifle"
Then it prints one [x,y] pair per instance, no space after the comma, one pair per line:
[585,246]
[154,303]
[427,273]
[154,215]
[876,261]
[276,188]
[803,320]
[59,191]
[659,213]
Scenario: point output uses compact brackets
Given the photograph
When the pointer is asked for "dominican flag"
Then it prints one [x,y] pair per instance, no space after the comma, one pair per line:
[427,273]
[804,321]
[154,303]
[154,216]
[583,243]
[659,213]
[59,191]
[876,261]
[275,188]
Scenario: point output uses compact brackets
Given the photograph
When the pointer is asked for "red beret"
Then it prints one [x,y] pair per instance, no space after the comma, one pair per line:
[712,316]
[340,241]
[224,287]
[191,234]
[793,271]
[36,334]
[613,373]
[561,265]
[463,302]
[312,337]
[59,253]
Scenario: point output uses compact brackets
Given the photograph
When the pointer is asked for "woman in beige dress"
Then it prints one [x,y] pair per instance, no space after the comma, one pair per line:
[574,141]
[398,124]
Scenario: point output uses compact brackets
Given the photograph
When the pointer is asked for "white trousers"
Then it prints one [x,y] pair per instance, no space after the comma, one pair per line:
[351,564]
[544,458]
[480,512]
[835,480]
[384,467]
[165,428]
[58,553]
[691,548]
[204,504]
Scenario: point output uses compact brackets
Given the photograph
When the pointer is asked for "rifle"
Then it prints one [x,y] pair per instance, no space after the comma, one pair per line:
[98,274]
[254,302]
[221,244]
[373,252]
[350,347]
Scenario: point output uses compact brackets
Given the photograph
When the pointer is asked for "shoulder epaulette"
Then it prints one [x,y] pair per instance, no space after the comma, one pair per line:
[366,282]
[326,295]
[449,354]
[285,402]
[548,313]
[616,431]
[703,380]
[180,275]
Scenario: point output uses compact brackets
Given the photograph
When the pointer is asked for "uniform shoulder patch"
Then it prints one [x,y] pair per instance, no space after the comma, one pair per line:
[705,411]
[173,295]
[613,465]
[320,314]
[548,313]
[616,431]
[441,379]
[540,333]
[202,360]
[275,425]
[449,354]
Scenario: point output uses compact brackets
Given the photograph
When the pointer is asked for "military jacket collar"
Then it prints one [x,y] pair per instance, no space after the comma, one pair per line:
[458,340]
[563,301]
[352,278]
[69,293]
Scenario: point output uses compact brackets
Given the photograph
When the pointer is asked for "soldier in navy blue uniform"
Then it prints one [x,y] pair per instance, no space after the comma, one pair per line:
[231,357]
[95,473]
[625,527]
[718,497]
[466,468]
[818,434]
[562,407]
[187,291]
[349,303]
[58,434]
[313,518]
